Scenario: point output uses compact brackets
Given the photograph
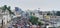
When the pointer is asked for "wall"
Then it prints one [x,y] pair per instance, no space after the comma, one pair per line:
[5,19]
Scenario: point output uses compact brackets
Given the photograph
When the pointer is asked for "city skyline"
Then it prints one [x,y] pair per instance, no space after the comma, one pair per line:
[44,5]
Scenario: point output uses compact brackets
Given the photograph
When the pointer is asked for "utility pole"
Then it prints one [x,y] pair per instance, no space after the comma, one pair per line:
[2,23]
[1,18]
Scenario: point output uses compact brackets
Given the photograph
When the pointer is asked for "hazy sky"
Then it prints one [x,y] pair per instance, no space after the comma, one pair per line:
[44,5]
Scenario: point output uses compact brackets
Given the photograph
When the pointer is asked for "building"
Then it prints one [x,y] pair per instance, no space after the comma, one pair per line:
[17,12]
[5,16]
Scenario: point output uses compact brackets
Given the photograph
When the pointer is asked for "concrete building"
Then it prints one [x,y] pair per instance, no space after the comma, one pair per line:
[17,12]
[53,21]
[5,16]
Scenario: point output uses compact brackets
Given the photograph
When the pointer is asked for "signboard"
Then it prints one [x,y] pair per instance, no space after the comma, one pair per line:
[47,17]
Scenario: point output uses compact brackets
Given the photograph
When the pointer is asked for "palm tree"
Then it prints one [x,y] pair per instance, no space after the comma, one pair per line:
[10,12]
[4,8]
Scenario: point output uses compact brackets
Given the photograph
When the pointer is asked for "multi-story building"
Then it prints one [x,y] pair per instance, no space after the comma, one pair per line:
[17,12]
[48,19]
[5,16]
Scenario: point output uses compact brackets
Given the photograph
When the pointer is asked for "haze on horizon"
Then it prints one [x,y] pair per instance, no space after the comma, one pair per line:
[44,5]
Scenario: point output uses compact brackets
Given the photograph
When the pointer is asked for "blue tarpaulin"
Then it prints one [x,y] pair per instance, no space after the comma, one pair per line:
[17,9]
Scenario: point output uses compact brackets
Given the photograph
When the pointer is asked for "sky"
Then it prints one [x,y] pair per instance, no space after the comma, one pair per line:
[44,5]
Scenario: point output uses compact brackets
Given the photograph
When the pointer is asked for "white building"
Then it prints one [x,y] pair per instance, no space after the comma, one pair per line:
[5,16]
[17,14]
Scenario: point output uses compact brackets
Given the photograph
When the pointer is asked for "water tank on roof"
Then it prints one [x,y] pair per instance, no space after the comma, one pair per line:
[17,9]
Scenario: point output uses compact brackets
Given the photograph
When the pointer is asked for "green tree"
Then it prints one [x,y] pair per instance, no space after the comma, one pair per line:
[40,23]
[49,13]
[33,19]
[4,8]
[58,13]
[10,10]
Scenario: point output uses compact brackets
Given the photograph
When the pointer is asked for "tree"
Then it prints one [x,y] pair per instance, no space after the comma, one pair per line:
[40,23]
[10,10]
[58,13]
[33,19]
[49,13]
[4,8]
